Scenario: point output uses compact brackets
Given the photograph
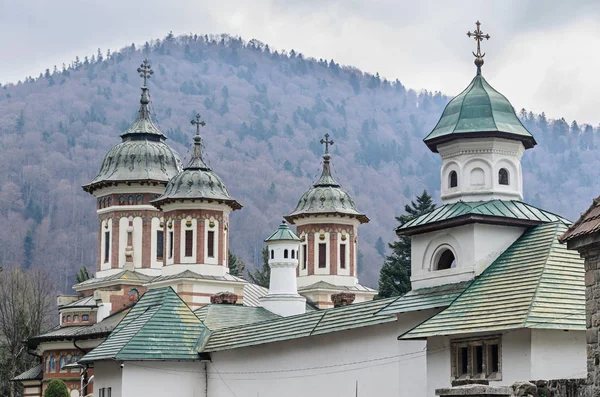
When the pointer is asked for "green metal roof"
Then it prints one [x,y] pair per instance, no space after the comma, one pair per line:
[535,283]
[283,234]
[493,211]
[303,325]
[159,327]
[224,316]
[123,277]
[326,197]
[426,298]
[478,111]
[323,285]
[34,373]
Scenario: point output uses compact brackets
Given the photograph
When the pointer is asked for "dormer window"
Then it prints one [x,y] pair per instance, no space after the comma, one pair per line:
[446,260]
[453,179]
[503,177]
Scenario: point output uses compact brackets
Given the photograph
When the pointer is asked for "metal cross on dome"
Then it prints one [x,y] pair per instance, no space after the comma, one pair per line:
[145,70]
[327,142]
[199,123]
[478,36]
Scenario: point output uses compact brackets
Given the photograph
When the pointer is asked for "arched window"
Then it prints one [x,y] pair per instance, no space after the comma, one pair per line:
[293,254]
[62,362]
[74,359]
[272,254]
[453,179]
[285,254]
[446,260]
[69,318]
[47,364]
[503,177]
[85,317]
[75,318]
[52,364]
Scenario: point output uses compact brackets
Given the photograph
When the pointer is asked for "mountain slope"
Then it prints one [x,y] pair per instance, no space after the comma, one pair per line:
[265,113]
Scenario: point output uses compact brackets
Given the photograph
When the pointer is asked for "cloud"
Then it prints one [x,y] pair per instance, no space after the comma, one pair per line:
[539,55]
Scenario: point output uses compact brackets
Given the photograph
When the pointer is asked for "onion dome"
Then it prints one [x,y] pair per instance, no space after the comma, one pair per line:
[284,233]
[197,181]
[326,196]
[479,111]
[142,156]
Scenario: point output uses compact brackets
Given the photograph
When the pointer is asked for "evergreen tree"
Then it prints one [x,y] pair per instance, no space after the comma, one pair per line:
[28,247]
[82,275]
[380,246]
[394,278]
[262,275]
[236,265]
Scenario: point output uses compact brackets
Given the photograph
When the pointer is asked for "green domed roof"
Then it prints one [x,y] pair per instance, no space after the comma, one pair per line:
[196,182]
[142,156]
[284,233]
[478,111]
[326,197]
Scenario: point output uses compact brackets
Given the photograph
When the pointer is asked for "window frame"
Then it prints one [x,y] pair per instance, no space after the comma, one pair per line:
[457,346]
[188,249]
[160,244]
[500,177]
[210,244]
[322,255]
[343,256]
[106,246]
[451,174]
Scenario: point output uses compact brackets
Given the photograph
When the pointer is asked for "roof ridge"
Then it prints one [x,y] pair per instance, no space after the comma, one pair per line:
[537,288]
[481,78]
[462,103]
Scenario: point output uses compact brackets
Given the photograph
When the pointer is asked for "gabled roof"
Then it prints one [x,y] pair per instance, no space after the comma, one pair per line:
[503,212]
[426,298]
[224,316]
[159,327]
[126,276]
[478,111]
[303,325]
[87,301]
[34,373]
[328,286]
[587,225]
[535,283]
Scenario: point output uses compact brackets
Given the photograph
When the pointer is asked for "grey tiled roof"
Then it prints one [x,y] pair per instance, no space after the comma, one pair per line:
[125,275]
[225,316]
[34,373]
[88,301]
[326,285]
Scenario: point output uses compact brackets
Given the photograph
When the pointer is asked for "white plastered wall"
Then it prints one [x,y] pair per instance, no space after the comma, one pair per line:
[474,246]
[123,224]
[558,354]
[154,262]
[151,378]
[137,240]
[343,271]
[108,374]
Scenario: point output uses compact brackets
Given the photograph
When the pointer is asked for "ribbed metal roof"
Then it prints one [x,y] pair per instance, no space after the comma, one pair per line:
[312,323]
[283,234]
[535,283]
[34,373]
[225,316]
[142,156]
[159,327]
[328,286]
[124,275]
[478,111]
[491,211]
[188,274]
[87,301]
[426,298]
[326,197]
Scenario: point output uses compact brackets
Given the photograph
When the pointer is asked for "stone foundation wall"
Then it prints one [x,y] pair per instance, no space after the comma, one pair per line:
[536,388]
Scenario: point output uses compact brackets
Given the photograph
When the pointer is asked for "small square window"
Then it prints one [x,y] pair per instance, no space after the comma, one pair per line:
[476,358]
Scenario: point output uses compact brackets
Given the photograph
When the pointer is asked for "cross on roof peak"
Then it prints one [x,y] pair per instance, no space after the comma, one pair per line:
[198,123]
[478,36]
[145,71]
[327,142]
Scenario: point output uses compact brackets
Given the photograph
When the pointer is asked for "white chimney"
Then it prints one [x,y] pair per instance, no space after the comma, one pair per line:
[283,297]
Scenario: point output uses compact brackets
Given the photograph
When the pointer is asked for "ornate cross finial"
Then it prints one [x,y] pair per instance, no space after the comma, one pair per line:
[199,123]
[327,142]
[145,71]
[478,36]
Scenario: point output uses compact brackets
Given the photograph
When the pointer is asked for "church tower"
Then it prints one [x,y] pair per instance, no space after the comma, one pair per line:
[481,141]
[133,172]
[327,223]
[196,207]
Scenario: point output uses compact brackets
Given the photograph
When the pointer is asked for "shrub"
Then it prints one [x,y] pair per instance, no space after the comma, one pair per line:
[56,388]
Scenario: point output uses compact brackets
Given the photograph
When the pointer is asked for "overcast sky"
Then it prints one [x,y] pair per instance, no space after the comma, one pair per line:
[543,55]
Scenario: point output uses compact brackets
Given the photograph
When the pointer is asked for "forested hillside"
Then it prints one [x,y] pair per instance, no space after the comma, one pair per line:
[265,112]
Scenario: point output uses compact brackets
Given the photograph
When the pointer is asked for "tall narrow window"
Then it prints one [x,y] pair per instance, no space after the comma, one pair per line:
[304,256]
[272,254]
[342,256]
[106,246]
[189,242]
[478,359]
[293,254]
[211,245]
[453,179]
[160,244]
[494,358]
[285,253]
[170,245]
[108,392]
[503,176]
[322,255]
[463,361]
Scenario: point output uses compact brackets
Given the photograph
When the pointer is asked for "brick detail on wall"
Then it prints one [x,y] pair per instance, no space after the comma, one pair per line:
[147,243]
[114,244]
[333,254]
[310,238]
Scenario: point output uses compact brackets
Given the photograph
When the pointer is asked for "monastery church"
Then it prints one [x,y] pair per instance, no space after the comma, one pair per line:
[494,294]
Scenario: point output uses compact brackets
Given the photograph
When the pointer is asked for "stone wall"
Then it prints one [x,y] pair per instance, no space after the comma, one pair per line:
[592,297]
[535,388]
